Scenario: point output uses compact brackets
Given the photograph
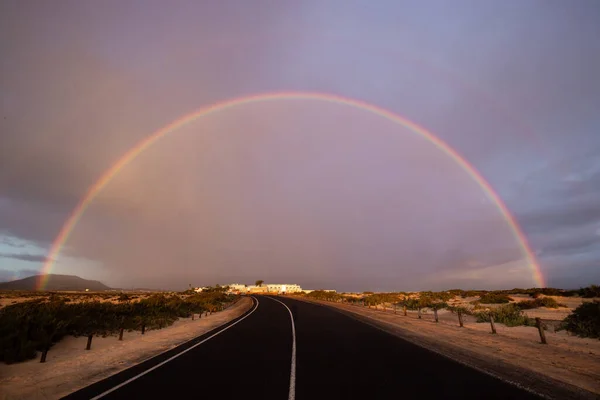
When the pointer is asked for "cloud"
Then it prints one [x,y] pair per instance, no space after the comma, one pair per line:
[12,275]
[25,257]
[511,274]
[579,239]
[12,242]
[561,216]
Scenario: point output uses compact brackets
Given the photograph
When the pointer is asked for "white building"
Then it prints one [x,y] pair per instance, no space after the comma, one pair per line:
[238,287]
[264,288]
[283,288]
[257,289]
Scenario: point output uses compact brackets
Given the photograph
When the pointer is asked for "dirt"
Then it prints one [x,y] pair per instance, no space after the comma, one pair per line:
[70,367]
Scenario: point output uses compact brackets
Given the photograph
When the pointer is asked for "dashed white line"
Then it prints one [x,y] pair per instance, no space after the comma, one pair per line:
[177,355]
[292,392]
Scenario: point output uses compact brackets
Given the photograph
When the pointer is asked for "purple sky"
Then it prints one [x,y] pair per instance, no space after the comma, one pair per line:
[319,194]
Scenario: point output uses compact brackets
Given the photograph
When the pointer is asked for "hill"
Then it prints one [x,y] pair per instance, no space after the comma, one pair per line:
[55,282]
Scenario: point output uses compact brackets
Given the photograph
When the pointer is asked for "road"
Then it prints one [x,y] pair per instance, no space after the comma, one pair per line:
[317,354]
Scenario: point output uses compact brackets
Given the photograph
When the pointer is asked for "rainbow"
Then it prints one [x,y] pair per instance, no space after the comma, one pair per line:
[109,174]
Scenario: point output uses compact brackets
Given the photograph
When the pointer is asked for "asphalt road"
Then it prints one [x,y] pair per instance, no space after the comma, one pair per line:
[322,355]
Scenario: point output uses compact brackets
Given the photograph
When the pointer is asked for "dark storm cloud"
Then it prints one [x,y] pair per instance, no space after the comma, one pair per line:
[564,223]
[562,195]
[588,242]
[10,275]
[11,242]
[320,195]
[574,213]
[24,257]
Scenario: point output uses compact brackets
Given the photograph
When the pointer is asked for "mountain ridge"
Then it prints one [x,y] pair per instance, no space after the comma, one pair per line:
[54,282]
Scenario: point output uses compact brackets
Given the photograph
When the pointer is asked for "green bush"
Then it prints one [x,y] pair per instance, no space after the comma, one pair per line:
[584,321]
[509,315]
[495,298]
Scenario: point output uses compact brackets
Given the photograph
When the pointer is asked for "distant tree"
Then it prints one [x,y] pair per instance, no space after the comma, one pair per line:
[259,282]
[590,291]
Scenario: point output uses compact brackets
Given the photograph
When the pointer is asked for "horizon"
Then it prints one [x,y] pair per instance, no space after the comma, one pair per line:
[302,286]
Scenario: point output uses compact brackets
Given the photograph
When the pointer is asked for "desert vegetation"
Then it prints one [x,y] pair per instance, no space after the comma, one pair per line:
[35,325]
[538,302]
[495,298]
[499,305]
[509,315]
[584,321]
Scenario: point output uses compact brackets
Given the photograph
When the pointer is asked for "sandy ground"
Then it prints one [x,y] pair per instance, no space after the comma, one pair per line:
[568,359]
[69,367]
[8,301]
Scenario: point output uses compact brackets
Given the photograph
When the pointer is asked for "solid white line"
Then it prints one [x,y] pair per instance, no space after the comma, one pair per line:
[175,356]
[292,393]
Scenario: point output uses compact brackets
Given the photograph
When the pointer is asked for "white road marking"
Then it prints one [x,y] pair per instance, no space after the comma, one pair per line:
[176,355]
[292,392]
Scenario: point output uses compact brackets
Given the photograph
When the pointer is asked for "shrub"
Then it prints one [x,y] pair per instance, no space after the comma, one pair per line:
[584,321]
[548,302]
[456,292]
[473,293]
[381,298]
[323,295]
[123,297]
[509,315]
[435,296]
[590,291]
[495,298]
[456,309]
